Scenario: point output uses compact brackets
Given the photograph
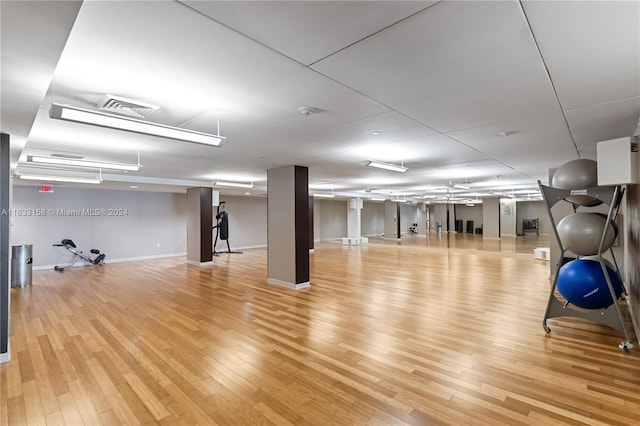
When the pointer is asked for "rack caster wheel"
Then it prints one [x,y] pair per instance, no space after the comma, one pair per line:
[626,346]
[548,330]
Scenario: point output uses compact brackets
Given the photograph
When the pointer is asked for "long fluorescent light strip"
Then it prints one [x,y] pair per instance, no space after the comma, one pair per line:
[387,166]
[83,163]
[60,179]
[324,195]
[235,184]
[80,115]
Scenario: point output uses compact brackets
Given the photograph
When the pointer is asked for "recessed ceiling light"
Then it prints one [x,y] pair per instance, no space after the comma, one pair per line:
[133,187]
[247,193]
[375,132]
[505,133]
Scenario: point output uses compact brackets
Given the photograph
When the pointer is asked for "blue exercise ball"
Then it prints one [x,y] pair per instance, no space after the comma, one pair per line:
[583,284]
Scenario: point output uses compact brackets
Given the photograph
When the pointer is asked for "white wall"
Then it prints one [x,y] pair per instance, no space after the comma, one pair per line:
[372,218]
[466,213]
[247,222]
[133,224]
[330,219]
[439,215]
[533,210]
[408,216]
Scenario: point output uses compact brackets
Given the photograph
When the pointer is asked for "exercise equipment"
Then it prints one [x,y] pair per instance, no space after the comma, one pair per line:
[577,175]
[603,310]
[79,254]
[581,233]
[222,229]
[583,284]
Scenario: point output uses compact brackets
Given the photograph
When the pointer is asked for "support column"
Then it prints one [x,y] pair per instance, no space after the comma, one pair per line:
[354,222]
[5,274]
[287,227]
[391,220]
[423,218]
[354,219]
[491,218]
[508,224]
[199,226]
[311,224]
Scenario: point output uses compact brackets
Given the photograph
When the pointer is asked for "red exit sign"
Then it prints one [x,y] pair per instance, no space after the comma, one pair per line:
[46,188]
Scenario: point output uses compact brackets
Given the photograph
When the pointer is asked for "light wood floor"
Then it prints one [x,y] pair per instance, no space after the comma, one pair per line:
[420,333]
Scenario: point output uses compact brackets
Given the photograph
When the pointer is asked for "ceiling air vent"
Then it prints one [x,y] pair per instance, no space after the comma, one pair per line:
[126,106]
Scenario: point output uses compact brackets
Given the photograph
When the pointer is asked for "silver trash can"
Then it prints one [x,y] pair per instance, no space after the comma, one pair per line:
[21,265]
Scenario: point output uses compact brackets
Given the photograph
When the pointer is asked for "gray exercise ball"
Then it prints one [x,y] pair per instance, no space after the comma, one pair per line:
[581,233]
[583,200]
[576,174]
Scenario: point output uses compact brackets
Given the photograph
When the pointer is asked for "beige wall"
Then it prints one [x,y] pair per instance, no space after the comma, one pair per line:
[330,219]
[533,210]
[372,218]
[146,224]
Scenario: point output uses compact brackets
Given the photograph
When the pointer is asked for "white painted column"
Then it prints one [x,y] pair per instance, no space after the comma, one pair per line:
[491,218]
[354,221]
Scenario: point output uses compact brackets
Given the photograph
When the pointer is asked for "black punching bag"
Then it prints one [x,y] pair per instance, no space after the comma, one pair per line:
[224,225]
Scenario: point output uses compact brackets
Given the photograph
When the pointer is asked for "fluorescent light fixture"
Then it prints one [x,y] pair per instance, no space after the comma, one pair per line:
[324,195]
[235,184]
[60,179]
[80,115]
[377,199]
[387,166]
[458,186]
[398,200]
[82,163]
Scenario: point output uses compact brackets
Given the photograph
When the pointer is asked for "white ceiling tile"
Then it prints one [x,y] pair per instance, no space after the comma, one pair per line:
[32,41]
[592,49]
[530,140]
[596,123]
[308,30]
[165,54]
[454,66]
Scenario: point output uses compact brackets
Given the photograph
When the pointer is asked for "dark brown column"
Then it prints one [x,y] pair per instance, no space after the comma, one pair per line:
[5,187]
[199,225]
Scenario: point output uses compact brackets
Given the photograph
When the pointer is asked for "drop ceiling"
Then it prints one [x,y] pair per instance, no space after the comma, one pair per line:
[438,80]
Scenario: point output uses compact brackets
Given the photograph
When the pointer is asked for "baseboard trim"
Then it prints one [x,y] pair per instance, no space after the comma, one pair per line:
[5,357]
[286,284]
[124,259]
[196,263]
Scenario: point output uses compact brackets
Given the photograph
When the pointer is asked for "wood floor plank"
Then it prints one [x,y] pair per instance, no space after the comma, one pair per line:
[434,331]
